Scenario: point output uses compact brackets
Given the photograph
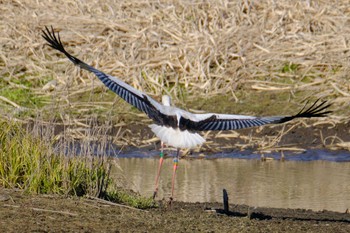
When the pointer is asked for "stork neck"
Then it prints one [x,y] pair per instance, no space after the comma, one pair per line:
[166,100]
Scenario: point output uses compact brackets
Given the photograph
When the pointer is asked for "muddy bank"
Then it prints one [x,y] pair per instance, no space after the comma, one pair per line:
[298,136]
[41,213]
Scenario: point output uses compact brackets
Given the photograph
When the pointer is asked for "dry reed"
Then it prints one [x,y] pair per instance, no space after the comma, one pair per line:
[188,49]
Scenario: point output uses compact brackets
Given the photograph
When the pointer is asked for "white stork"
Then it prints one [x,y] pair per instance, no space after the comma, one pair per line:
[173,126]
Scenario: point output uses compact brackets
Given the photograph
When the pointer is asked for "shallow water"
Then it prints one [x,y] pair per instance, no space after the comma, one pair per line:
[295,183]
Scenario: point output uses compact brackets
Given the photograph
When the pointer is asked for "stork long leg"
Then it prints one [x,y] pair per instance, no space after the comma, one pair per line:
[176,163]
[159,169]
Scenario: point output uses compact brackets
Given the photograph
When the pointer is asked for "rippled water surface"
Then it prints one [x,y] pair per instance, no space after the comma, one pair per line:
[302,181]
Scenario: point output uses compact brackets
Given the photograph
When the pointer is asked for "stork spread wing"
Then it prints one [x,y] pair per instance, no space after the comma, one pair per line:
[188,121]
[232,122]
[140,100]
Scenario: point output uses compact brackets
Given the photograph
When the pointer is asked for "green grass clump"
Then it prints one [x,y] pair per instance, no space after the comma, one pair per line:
[289,68]
[28,162]
[22,97]
[131,199]
[21,92]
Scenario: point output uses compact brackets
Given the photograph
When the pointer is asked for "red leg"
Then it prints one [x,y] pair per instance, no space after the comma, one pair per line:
[176,162]
[159,169]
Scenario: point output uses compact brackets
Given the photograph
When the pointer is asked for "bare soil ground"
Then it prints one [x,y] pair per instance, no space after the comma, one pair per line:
[37,213]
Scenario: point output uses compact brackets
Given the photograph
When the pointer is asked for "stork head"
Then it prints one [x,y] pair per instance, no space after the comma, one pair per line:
[166,101]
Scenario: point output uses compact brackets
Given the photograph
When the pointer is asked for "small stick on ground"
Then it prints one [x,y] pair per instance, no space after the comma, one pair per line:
[114,204]
[55,211]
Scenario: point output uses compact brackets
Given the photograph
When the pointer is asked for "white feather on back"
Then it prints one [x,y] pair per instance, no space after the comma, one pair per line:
[176,137]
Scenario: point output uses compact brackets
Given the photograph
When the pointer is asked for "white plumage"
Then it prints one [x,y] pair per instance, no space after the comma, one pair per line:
[177,138]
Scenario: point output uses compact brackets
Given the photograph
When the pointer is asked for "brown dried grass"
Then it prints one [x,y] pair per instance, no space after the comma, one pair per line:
[182,48]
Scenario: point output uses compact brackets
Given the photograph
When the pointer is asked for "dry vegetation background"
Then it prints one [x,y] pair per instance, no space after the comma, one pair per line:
[188,49]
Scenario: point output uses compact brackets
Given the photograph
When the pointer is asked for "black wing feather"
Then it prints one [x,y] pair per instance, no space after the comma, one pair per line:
[140,102]
[317,109]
